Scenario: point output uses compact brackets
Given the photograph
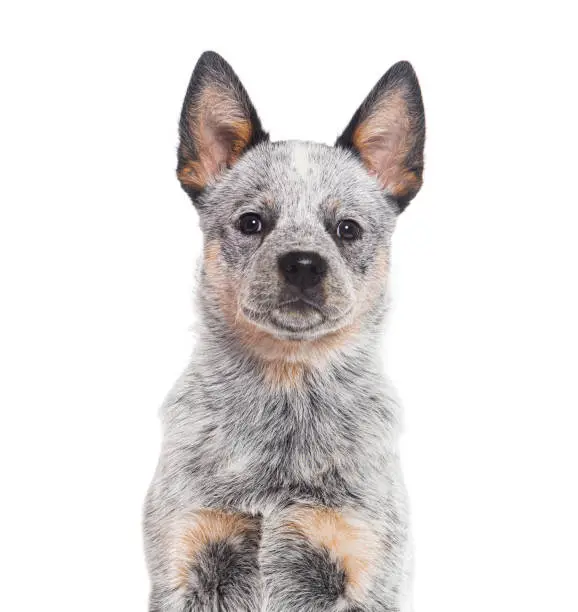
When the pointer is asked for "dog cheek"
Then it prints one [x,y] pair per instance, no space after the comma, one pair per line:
[376,280]
[219,281]
[259,284]
[339,289]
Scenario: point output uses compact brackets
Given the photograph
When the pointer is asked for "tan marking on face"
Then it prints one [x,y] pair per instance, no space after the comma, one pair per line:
[267,199]
[307,352]
[212,254]
[221,132]
[283,361]
[203,527]
[384,140]
[349,540]
[375,283]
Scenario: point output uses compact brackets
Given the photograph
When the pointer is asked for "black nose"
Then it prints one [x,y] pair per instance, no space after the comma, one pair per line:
[302,269]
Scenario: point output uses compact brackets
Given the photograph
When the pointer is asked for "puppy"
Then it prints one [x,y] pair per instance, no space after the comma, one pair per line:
[279,487]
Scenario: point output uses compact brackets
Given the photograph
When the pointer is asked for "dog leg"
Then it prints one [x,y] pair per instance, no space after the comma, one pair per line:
[318,559]
[210,564]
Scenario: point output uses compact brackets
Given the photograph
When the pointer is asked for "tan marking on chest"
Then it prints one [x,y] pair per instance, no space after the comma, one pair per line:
[284,374]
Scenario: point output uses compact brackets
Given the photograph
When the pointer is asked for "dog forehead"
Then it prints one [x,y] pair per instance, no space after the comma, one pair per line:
[305,174]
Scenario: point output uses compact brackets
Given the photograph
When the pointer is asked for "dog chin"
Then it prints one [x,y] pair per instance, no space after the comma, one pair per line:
[296,320]
[289,322]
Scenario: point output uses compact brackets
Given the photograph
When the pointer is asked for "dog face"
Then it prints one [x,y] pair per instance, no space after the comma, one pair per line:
[297,235]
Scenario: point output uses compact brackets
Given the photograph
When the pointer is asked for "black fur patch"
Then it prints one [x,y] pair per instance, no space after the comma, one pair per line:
[224,577]
[311,579]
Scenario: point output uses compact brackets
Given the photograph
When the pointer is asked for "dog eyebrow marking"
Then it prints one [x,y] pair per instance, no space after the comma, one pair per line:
[348,539]
[264,199]
[332,205]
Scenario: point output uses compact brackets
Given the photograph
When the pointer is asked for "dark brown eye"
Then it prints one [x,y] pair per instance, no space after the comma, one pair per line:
[348,230]
[250,223]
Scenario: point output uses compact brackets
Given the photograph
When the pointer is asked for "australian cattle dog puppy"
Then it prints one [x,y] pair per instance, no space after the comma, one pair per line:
[278,487]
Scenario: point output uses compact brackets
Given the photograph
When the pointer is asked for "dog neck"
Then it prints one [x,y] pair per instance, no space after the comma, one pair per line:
[244,355]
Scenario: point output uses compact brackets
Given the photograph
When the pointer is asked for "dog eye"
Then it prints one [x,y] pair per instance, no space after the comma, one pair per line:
[250,223]
[348,230]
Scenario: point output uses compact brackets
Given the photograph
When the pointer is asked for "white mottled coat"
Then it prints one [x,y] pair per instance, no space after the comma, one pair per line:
[279,487]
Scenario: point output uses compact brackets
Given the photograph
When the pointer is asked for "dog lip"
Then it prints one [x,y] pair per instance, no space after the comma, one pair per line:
[296,330]
[299,302]
[272,325]
[269,320]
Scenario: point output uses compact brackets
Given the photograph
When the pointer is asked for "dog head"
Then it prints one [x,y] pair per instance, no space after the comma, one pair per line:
[297,235]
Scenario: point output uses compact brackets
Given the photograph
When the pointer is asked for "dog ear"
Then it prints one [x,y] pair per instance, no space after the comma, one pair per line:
[388,133]
[218,123]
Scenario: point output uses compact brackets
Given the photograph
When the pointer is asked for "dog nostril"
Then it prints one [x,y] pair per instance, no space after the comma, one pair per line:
[302,269]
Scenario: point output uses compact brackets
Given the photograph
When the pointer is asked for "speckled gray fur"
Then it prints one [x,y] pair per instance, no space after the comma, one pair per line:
[240,442]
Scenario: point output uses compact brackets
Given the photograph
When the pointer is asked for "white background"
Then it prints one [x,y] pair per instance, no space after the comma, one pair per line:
[98,245]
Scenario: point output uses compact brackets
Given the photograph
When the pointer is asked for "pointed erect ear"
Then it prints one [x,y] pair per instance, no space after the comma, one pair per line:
[388,133]
[218,123]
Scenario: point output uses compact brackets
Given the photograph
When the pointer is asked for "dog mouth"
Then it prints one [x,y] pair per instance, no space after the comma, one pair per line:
[296,318]
[297,315]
